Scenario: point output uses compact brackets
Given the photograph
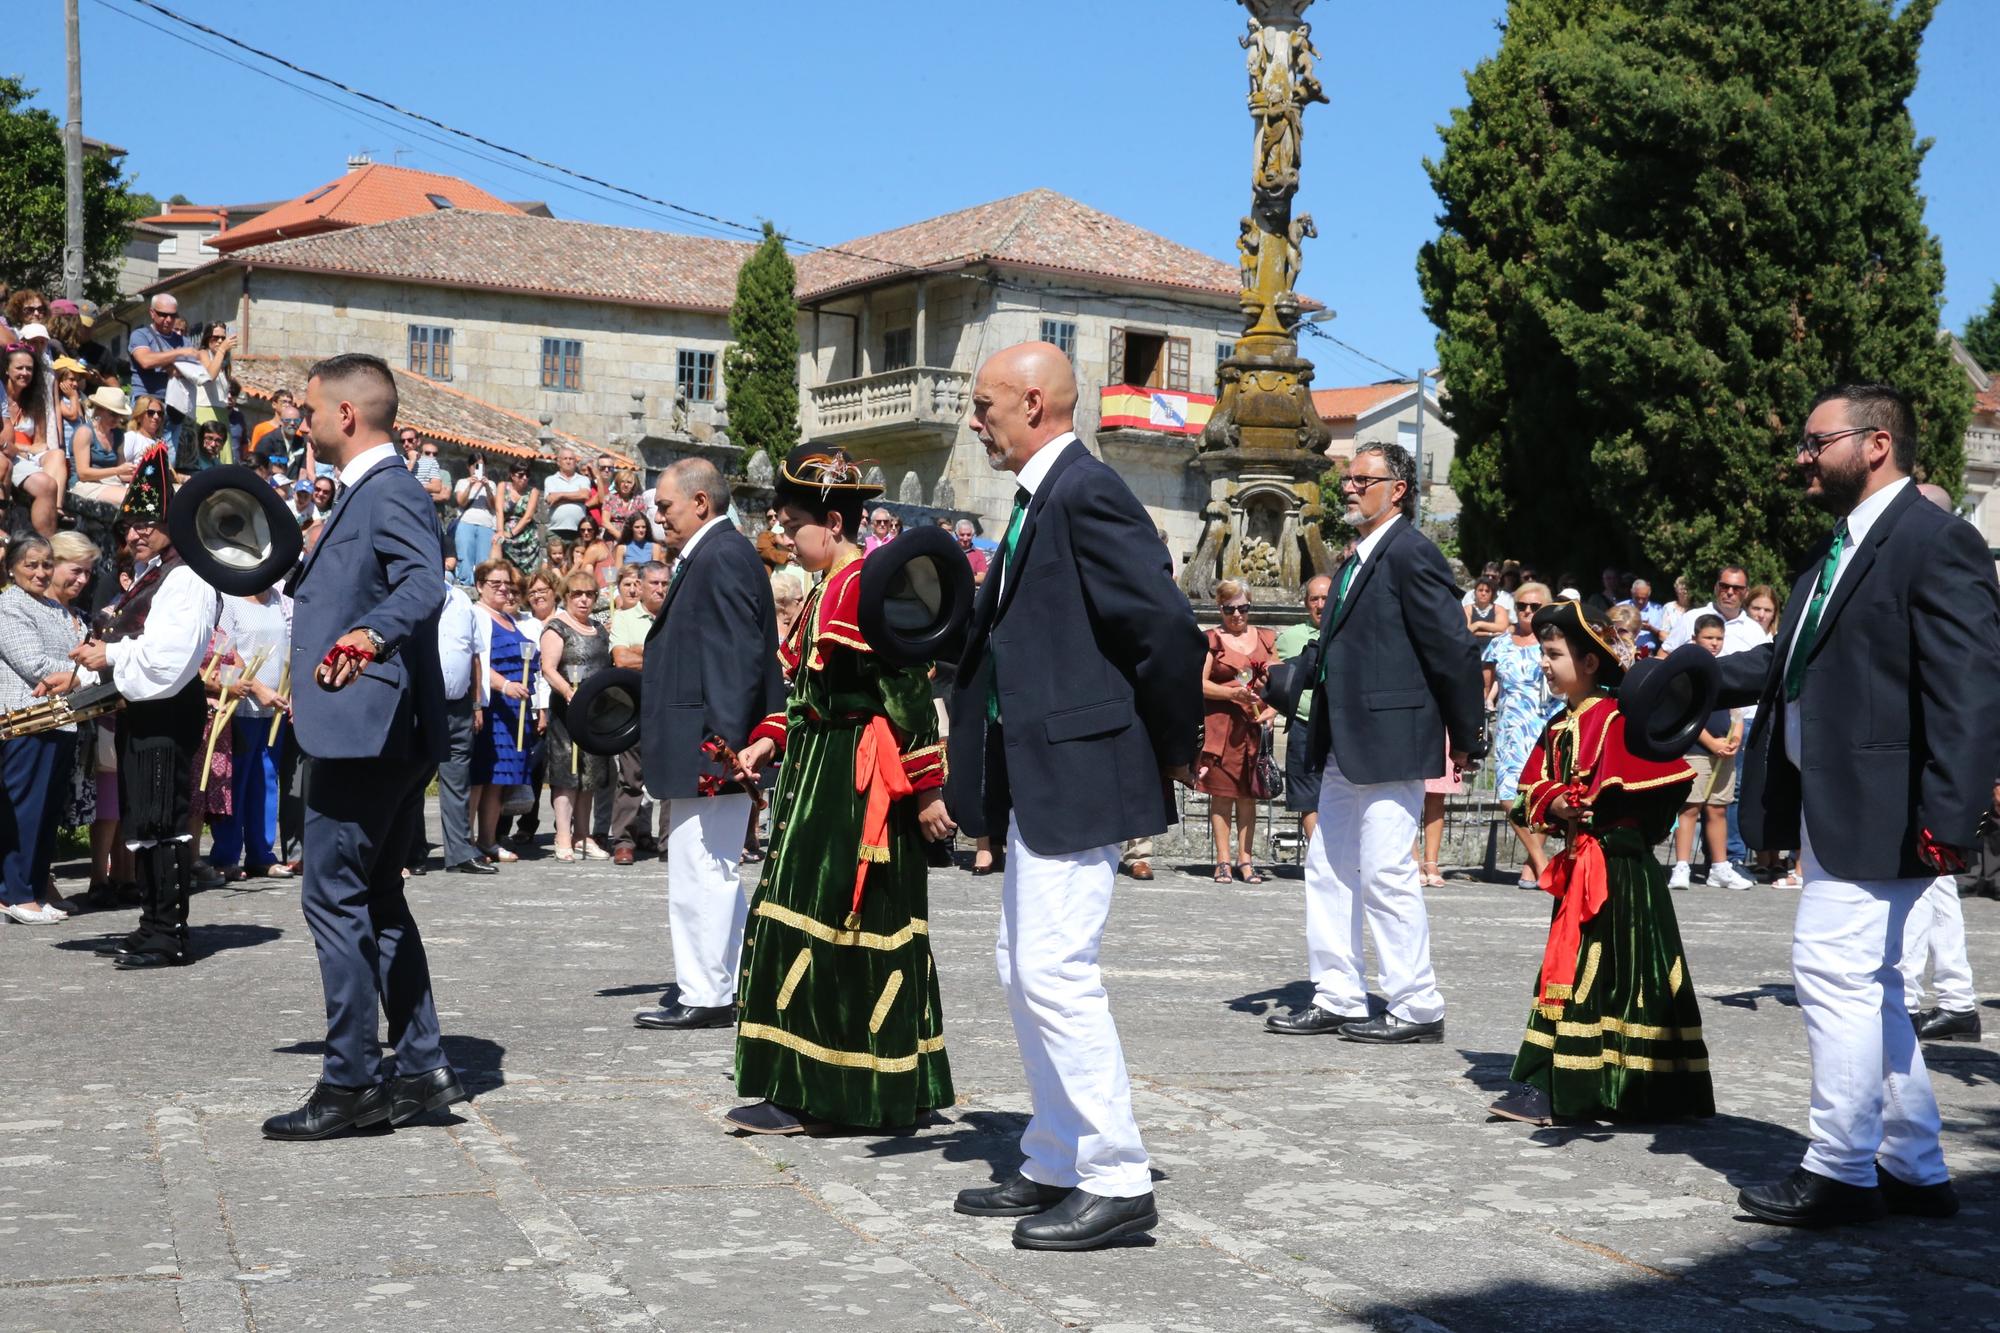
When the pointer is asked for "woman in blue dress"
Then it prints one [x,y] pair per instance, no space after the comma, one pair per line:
[512,664]
[1514,680]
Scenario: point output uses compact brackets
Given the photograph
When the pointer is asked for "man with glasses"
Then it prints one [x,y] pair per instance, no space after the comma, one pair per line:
[1397,692]
[631,821]
[883,527]
[1740,633]
[155,348]
[1873,753]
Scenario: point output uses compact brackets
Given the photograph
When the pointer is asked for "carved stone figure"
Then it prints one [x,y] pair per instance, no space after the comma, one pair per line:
[1301,229]
[1248,240]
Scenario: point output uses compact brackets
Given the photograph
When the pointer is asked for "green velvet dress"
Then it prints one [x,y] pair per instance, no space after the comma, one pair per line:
[839,1016]
[1624,1042]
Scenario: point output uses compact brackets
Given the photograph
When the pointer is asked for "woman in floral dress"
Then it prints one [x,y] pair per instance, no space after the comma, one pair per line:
[1514,678]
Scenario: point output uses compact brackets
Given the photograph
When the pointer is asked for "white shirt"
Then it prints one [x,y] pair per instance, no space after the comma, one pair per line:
[1739,635]
[159,663]
[1366,546]
[1030,478]
[257,626]
[358,466]
[1859,522]
[458,643]
[688,548]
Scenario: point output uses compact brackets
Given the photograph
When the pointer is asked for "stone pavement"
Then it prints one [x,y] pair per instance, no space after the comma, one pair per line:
[1303,1183]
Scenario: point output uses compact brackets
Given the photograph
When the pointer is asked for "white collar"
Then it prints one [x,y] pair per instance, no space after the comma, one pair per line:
[1864,515]
[1036,470]
[687,549]
[358,466]
[1366,546]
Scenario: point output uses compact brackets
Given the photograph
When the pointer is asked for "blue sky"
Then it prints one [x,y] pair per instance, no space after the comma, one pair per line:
[835,120]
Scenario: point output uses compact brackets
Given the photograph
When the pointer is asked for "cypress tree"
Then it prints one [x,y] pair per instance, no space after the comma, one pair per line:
[760,371]
[1666,225]
[1982,335]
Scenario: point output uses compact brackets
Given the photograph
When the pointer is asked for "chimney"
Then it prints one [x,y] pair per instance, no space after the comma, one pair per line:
[356,161]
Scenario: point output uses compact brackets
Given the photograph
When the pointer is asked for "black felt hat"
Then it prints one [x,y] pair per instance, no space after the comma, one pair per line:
[916,596]
[233,531]
[1666,700]
[603,715]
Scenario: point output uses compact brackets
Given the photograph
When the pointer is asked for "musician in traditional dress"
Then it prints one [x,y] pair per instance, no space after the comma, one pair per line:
[151,648]
[839,1019]
[1614,1031]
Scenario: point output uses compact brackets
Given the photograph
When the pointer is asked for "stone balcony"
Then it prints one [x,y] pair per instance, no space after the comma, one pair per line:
[927,401]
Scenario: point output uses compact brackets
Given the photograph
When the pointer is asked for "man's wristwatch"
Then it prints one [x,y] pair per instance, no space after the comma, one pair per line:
[374,640]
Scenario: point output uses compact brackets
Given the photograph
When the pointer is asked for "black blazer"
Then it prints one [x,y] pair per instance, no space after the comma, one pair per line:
[1098,663]
[1402,669]
[1900,718]
[711,663]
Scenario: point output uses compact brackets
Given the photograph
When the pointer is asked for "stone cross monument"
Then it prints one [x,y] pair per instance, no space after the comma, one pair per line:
[1264,447]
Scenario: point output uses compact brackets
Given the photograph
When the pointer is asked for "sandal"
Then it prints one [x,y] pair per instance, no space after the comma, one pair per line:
[1431,878]
[1223,875]
[751,856]
[1248,873]
[1789,880]
[565,854]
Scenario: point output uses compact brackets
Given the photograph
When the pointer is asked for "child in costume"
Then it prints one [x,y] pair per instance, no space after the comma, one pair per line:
[1614,1032]
[839,1019]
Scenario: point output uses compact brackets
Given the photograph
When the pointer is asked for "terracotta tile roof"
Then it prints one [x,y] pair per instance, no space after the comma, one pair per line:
[375,193]
[510,251]
[1347,404]
[436,410]
[189,215]
[1039,229]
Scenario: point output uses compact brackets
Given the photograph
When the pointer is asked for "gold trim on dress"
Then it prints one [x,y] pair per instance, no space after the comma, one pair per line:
[793,976]
[785,916]
[1590,961]
[1675,976]
[1643,1064]
[889,990]
[812,1050]
[1537,1037]
[1630,1031]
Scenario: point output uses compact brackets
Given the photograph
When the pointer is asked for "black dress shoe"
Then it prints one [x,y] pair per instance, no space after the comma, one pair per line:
[473,868]
[118,944]
[330,1110]
[771,1118]
[1808,1199]
[687,1016]
[412,1095]
[1901,1197]
[139,959]
[1311,1021]
[415,871]
[1387,1029]
[1529,1105]
[1947,1025]
[207,877]
[1086,1221]
[1019,1197]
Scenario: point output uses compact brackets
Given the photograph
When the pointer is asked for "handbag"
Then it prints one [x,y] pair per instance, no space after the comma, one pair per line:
[517,799]
[1267,780]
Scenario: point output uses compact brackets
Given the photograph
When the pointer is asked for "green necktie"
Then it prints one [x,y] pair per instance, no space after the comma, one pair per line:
[1006,563]
[1339,600]
[1795,670]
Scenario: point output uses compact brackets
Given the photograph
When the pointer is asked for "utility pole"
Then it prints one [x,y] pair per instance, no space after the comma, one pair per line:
[1419,451]
[73,160]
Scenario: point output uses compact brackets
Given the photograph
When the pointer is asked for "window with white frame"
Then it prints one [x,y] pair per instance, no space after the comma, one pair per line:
[694,372]
[1061,332]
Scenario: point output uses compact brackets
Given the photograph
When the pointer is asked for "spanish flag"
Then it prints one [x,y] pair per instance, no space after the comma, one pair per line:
[1170,411]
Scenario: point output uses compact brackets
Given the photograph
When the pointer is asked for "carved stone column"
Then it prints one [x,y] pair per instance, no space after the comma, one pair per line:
[1265,446]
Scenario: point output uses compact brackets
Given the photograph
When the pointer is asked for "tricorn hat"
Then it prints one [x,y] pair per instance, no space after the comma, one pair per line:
[1666,700]
[916,596]
[1583,636]
[152,488]
[603,714]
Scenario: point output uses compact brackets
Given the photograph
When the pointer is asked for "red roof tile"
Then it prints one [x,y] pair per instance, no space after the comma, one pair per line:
[189,215]
[1346,404]
[374,193]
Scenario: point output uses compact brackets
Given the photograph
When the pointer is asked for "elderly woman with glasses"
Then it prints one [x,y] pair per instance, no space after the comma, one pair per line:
[574,647]
[36,636]
[503,745]
[1519,695]
[1233,722]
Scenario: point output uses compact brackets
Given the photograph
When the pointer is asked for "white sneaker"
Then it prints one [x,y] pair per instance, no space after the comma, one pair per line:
[593,852]
[28,914]
[1680,877]
[1726,876]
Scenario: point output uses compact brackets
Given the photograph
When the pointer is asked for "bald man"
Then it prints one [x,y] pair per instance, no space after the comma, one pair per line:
[1066,765]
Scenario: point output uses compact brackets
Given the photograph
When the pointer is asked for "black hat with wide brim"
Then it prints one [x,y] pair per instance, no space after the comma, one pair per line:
[232,530]
[603,715]
[1666,700]
[916,597]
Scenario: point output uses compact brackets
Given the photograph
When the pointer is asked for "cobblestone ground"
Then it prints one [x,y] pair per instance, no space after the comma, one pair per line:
[1303,1183]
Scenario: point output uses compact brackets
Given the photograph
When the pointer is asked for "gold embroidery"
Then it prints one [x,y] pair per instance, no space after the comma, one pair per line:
[1675,977]
[1641,1063]
[1590,961]
[794,976]
[889,990]
[1536,1037]
[785,916]
[1631,1031]
[812,1050]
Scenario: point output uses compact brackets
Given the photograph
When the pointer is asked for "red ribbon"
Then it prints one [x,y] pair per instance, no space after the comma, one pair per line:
[340,650]
[879,775]
[1577,879]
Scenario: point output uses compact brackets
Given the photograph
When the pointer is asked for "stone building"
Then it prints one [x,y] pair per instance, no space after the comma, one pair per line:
[1386,413]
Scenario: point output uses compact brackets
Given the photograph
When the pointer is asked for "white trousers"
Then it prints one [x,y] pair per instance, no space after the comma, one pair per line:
[1360,866]
[1935,935]
[1871,1095]
[705,903]
[1052,913]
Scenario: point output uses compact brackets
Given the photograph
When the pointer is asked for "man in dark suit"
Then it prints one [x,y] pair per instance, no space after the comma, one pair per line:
[1874,752]
[1397,686]
[368,710]
[714,672]
[1079,691]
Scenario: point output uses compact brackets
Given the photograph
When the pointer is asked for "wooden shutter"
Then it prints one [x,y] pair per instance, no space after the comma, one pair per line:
[1177,364]
[1115,372]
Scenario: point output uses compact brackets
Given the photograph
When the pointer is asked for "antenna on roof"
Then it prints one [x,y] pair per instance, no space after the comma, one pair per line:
[359,159]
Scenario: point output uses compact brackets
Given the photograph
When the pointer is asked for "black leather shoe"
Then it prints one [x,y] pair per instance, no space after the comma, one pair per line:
[1019,1197]
[415,871]
[770,1118]
[330,1110]
[473,868]
[687,1016]
[1947,1025]
[1529,1105]
[413,1095]
[1086,1221]
[1387,1029]
[139,959]
[1311,1021]
[1903,1198]
[118,944]
[1808,1199]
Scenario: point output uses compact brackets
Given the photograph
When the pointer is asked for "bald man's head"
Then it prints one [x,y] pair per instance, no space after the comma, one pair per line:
[1023,397]
[1937,495]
